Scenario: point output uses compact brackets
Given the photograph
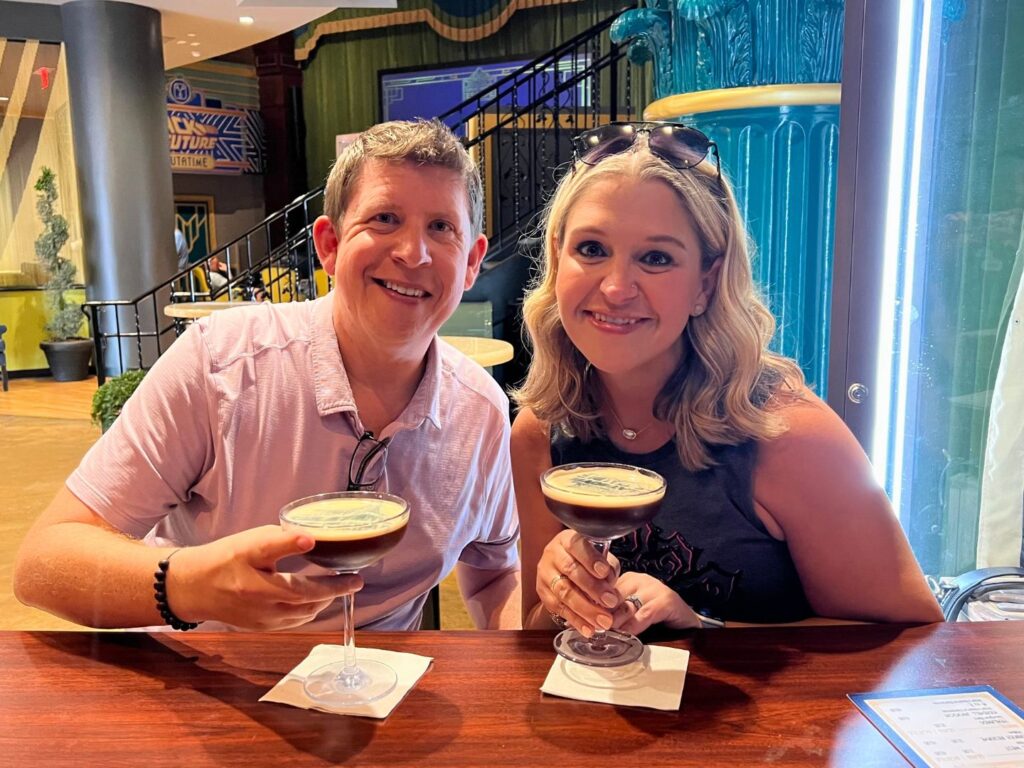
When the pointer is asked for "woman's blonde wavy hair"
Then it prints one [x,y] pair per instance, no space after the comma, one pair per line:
[722,391]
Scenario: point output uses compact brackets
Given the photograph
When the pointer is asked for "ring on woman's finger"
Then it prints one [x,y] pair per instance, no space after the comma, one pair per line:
[554,580]
[636,602]
[558,618]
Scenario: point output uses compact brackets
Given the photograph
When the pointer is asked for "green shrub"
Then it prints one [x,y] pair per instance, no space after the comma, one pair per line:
[111,396]
[65,315]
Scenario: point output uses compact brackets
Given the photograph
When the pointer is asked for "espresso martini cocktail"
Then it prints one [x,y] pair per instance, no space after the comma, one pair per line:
[350,532]
[352,529]
[601,501]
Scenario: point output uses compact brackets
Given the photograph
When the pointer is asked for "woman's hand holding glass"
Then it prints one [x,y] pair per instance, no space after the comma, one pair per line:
[577,583]
[589,601]
[651,602]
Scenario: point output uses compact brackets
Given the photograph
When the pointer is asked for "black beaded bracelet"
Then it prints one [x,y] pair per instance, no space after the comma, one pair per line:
[160,593]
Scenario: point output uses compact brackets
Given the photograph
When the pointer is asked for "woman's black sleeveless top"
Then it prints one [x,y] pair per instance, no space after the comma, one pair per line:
[706,542]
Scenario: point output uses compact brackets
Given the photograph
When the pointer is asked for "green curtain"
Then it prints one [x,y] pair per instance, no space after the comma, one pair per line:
[972,227]
[340,82]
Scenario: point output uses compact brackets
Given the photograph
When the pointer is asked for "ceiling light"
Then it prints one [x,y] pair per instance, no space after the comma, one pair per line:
[196,54]
[5,98]
[182,42]
[247,20]
[194,43]
[191,34]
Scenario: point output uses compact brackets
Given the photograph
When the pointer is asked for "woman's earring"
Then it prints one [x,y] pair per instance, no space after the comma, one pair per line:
[698,310]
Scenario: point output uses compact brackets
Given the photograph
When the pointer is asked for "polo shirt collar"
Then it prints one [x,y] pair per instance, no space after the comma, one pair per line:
[331,385]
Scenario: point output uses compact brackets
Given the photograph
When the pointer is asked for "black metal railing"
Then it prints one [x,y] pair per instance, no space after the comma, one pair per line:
[518,129]
[275,260]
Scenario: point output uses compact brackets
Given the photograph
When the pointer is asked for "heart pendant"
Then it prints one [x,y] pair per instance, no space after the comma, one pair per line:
[629,434]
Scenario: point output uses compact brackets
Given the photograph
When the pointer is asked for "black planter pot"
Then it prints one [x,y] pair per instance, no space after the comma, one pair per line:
[68,360]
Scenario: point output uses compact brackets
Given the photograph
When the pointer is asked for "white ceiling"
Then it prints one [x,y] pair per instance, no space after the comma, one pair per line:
[211,27]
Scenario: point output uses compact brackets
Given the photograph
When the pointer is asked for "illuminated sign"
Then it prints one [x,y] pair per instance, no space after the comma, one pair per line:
[207,139]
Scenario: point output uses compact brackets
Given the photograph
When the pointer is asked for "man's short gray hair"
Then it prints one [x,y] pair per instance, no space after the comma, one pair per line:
[425,142]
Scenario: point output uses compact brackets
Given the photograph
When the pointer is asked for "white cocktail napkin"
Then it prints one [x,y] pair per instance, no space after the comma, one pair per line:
[408,666]
[654,681]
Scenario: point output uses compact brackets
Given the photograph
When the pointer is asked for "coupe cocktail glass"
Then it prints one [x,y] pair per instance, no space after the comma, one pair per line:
[352,529]
[601,501]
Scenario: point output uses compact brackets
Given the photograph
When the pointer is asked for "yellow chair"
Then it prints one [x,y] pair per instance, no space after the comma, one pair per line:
[320,280]
[200,285]
[278,283]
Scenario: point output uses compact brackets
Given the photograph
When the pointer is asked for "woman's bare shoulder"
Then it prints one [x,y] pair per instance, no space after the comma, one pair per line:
[807,420]
[531,436]
[815,458]
[528,428]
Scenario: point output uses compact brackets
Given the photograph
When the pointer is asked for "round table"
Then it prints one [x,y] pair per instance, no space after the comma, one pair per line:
[193,310]
[483,351]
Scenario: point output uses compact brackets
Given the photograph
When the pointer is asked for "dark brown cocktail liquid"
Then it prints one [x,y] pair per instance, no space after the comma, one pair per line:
[352,554]
[603,522]
[603,502]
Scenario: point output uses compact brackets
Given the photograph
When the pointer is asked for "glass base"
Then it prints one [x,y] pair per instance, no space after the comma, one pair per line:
[624,678]
[606,649]
[370,681]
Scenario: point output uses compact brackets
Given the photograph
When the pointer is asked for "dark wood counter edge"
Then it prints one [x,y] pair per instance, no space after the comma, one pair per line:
[851,637]
[669,637]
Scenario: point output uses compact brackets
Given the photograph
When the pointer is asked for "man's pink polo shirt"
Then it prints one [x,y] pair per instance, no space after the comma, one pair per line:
[251,408]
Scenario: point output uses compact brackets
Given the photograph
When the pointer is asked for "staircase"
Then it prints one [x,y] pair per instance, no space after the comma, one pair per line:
[519,130]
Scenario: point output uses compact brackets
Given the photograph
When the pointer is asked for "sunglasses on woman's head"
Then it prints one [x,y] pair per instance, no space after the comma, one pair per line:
[678,145]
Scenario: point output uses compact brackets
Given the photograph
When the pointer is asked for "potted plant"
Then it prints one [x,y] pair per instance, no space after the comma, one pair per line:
[66,352]
[110,397]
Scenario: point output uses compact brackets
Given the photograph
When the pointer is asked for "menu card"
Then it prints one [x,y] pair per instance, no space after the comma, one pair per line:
[972,726]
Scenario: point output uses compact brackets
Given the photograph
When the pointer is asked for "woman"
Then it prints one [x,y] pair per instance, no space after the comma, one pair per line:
[650,348]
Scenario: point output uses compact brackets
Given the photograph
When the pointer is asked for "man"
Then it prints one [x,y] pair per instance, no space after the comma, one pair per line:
[253,408]
[218,274]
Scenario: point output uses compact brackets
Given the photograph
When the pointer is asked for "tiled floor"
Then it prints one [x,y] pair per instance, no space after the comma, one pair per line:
[44,432]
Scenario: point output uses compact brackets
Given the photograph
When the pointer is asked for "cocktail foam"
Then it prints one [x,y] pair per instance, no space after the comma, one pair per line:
[347,519]
[603,487]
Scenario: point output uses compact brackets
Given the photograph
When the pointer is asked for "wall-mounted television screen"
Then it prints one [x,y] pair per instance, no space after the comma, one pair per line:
[431,92]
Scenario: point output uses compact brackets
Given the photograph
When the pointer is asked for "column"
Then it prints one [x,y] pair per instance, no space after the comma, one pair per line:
[119,118]
[280,83]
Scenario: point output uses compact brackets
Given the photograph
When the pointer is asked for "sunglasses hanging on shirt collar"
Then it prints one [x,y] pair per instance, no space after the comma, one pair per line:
[678,145]
[367,465]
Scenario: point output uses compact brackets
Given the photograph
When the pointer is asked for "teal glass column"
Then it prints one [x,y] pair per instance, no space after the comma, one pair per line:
[760,77]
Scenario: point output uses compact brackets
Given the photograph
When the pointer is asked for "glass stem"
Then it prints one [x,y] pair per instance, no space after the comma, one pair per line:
[349,634]
[601,546]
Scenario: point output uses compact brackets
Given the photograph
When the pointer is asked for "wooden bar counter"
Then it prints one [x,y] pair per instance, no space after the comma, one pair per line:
[752,696]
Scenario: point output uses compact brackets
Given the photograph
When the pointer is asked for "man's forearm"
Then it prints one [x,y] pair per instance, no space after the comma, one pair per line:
[88,575]
[493,598]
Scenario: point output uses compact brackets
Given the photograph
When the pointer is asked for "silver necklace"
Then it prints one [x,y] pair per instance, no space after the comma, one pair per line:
[627,433]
